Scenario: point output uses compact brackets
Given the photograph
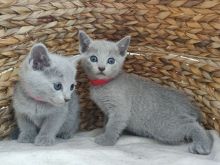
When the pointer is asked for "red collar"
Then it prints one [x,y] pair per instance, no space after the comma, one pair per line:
[99,82]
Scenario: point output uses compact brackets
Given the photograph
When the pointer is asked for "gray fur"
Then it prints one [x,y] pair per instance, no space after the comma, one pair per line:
[41,111]
[138,106]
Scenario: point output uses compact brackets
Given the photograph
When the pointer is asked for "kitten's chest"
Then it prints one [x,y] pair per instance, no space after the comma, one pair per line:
[42,111]
[97,94]
[36,113]
[103,98]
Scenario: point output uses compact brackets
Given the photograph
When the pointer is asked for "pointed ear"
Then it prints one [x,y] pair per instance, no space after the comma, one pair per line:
[123,45]
[39,57]
[75,59]
[84,41]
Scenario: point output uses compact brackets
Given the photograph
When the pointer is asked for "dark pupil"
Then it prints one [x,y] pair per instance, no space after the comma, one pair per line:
[58,86]
[111,60]
[93,59]
[71,87]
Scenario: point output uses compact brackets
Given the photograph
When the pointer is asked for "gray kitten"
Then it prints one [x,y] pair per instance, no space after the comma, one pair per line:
[44,100]
[138,106]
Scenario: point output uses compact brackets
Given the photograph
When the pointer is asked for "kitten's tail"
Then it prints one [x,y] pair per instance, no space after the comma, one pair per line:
[14,133]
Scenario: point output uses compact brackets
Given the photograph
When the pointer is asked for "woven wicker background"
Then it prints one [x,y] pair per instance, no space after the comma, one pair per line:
[177,43]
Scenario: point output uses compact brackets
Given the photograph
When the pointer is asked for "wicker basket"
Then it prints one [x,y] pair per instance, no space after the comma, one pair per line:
[174,42]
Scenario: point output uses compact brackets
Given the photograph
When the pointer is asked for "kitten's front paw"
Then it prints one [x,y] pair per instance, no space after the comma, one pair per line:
[26,137]
[104,140]
[44,141]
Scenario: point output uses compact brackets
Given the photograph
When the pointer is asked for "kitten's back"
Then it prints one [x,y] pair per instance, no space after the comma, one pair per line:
[149,91]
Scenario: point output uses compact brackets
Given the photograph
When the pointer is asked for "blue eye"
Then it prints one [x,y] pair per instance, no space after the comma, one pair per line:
[72,87]
[111,61]
[93,59]
[57,86]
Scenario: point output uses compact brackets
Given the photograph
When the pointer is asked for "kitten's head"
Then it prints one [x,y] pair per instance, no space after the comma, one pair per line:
[102,59]
[48,77]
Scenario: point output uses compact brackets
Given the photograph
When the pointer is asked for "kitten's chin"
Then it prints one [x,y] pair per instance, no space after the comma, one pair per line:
[101,76]
[104,76]
[57,103]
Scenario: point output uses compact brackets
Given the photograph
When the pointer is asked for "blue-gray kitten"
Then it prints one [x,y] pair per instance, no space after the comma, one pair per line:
[138,106]
[44,100]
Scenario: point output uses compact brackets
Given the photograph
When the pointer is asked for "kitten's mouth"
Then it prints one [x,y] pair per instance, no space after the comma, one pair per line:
[101,73]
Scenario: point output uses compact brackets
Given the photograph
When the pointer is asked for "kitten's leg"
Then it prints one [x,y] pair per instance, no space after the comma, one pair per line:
[175,133]
[28,130]
[202,140]
[117,122]
[49,129]
[69,127]
[71,123]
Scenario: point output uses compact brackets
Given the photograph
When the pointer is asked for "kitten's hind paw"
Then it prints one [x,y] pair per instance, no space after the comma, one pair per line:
[26,137]
[203,146]
[44,141]
[199,149]
[104,140]
[64,135]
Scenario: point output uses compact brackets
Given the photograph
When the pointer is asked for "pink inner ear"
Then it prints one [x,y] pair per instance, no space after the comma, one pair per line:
[40,57]
[123,45]
[121,51]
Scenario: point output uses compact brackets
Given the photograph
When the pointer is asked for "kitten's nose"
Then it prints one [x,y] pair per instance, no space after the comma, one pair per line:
[101,68]
[66,100]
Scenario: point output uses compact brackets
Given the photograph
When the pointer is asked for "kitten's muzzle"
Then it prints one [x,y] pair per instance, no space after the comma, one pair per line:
[101,69]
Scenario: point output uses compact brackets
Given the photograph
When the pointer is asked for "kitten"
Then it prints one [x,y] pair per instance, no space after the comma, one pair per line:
[44,100]
[136,105]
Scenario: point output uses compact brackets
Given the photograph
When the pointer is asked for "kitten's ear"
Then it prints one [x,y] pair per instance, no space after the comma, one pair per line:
[76,58]
[123,45]
[84,41]
[39,57]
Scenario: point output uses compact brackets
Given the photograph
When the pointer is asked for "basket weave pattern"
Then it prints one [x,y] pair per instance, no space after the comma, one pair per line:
[174,42]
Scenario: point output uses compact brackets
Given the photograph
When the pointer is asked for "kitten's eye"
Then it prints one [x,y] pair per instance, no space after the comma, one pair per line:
[111,61]
[57,86]
[72,87]
[93,59]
